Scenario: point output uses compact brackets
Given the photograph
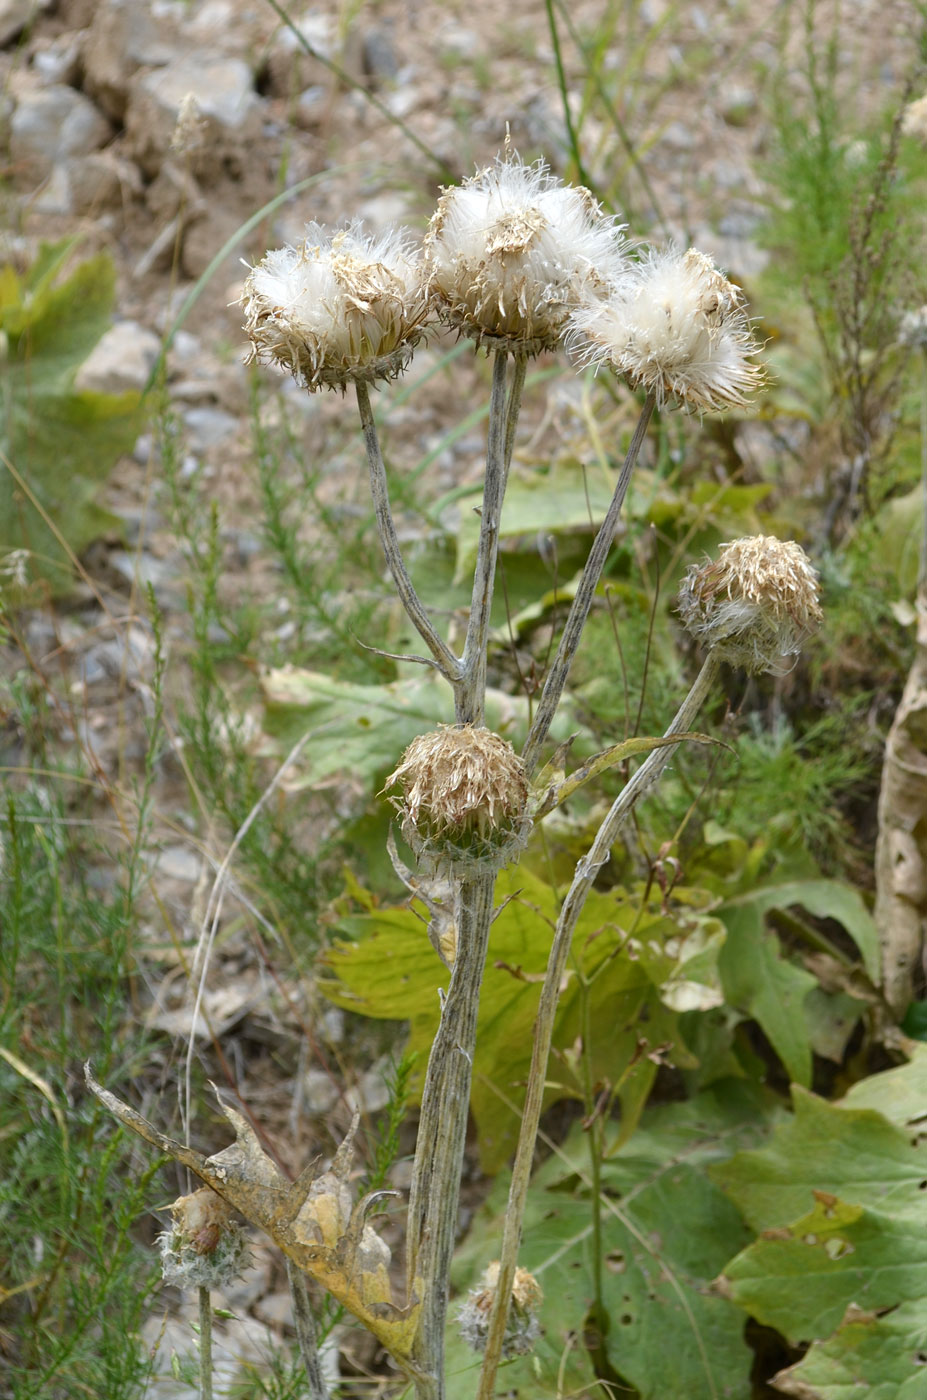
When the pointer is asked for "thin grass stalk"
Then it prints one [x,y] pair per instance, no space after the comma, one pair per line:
[586,870]
[922,568]
[306,1334]
[470,696]
[445,660]
[582,602]
[205,1324]
[435,1190]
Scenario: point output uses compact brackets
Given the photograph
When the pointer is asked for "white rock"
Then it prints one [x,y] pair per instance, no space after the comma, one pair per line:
[230,111]
[124,36]
[58,60]
[102,180]
[121,361]
[51,124]
[56,195]
[14,16]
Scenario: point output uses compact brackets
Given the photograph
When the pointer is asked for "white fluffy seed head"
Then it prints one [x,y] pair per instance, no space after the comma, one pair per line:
[676,327]
[755,604]
[914,121]
[912,329]
[522,1327]
[509,253]
[341,307]
[205,1247]
[465,798]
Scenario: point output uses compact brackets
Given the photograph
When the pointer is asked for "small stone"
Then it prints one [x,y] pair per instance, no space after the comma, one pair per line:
[121,361]
[208,426]
[14,16]
[101,181]
[230,109]
[51,124]
[738,105]
[179,863]
[319,1093]
[123,37]
[56,195]
[58,60]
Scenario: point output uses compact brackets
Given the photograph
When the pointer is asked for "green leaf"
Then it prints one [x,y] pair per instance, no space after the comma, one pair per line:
[561,501]
[871,1356]
[638,964]
[853,1153]
[58,445]
[802,1278]
[898,1094]
[559,789]
[362,730]
[838,1193]
[760,981]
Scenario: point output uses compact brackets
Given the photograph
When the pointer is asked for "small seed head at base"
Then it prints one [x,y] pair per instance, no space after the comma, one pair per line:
[509,252]
[465,798]
[205,1247]
[522,1327]
[914,121]
[912,329]
[675,327]
[341,307]
[754,605]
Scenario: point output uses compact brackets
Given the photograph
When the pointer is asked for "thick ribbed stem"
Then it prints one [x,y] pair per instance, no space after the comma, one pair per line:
[586,870]
[445,660]
[442,1131]
[582,602]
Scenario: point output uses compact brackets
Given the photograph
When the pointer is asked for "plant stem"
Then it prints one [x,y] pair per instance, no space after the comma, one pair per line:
[306,1333]
[205,1344]
[445,660]
[922,569]
[582,603]
[586,870]
[439,1149]
[471,693]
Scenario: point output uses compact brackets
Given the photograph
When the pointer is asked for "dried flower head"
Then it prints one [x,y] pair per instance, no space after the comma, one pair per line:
[676,327]
[205,1247]
[189,135]
[753,605]
[914,121]
[509,253]
[522,1327]
[465,798]
[343,306]
[912,328]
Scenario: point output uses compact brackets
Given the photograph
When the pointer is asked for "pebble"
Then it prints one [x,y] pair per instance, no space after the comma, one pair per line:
[50,124]
[121,361]
[208,426]
[229,109]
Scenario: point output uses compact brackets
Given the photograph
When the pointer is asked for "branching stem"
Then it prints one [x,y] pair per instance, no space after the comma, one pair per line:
[586,870]
[445,659]
[582,602]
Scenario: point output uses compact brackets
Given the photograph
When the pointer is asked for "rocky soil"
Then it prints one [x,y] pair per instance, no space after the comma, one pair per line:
[155,129]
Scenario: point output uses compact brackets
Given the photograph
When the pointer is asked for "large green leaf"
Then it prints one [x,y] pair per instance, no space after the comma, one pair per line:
[362,730]
[761,981]
[802,1278]
[853,1153]
[639,965]
[561,501]
[57,446]
[665,1230]
[871,1356]
[838,1194]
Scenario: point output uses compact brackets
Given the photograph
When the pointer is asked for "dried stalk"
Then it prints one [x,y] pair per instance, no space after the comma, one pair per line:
[444,659]
[306,1333]
[582,602]
[586,870]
